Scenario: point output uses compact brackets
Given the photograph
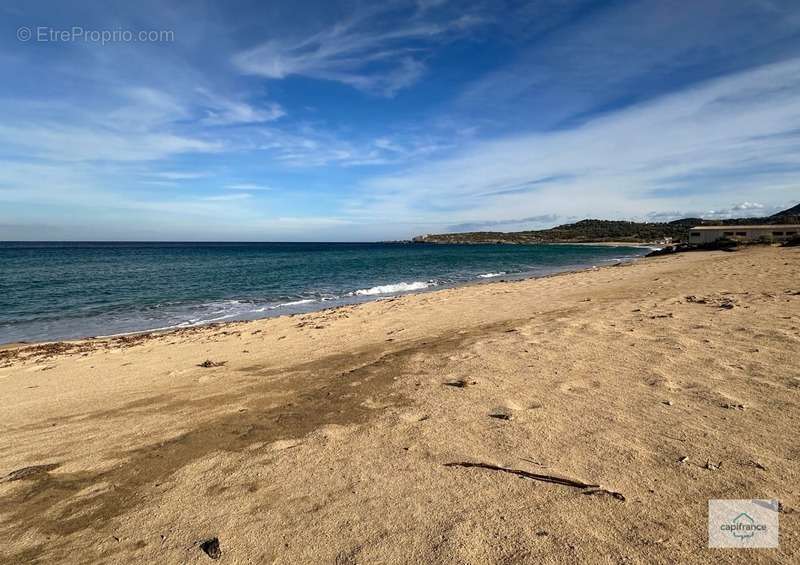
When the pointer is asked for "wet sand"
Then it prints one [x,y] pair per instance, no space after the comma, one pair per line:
[581,417]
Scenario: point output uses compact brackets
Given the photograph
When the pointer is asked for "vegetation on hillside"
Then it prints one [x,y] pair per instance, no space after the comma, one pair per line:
[597,231]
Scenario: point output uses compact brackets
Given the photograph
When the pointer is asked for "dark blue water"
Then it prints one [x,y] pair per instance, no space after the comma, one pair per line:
[67,290]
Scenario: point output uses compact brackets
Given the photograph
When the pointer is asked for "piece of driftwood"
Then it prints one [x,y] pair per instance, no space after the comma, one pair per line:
[586,487]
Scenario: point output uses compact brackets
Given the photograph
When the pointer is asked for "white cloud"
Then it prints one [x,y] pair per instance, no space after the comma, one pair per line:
[227,197]
[180,175]
[375,61]
[247,186]
[748,206]
[222,111]
[732,138]
[143,108]
[75,143]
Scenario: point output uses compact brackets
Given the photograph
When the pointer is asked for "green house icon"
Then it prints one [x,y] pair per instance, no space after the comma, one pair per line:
[744,520]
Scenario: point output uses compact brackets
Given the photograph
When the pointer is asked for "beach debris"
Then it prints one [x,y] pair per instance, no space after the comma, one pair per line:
[683,459]
[667,402]
[712,466]
[34,471]
[211,548]
[498,415]
[458,383]
[720,302]
[588,488]
[732,406]
[604,492]
[208,363]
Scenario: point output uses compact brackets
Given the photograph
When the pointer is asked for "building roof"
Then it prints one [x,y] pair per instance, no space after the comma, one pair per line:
[776,227]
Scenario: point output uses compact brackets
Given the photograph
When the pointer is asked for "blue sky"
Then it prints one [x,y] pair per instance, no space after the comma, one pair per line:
[350,121]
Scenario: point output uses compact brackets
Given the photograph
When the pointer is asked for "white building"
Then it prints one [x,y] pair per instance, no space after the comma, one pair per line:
[707,234]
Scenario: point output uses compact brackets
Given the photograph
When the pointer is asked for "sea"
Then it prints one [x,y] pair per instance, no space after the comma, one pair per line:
[64,290]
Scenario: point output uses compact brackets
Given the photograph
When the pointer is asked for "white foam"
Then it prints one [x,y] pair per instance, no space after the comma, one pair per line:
[293,303]
[393,288]
[491,275]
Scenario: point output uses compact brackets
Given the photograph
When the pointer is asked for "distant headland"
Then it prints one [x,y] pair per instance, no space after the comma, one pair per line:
[604,231]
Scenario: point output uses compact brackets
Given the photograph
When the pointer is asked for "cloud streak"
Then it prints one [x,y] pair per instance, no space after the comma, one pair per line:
[352,52]
[741,133]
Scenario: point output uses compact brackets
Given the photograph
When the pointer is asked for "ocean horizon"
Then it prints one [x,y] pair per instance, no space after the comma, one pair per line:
[55,290]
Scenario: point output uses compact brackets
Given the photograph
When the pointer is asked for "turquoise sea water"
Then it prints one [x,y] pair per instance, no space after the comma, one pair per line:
[66,290]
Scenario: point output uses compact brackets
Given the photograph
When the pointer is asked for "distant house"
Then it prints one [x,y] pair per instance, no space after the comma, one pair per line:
[707,234]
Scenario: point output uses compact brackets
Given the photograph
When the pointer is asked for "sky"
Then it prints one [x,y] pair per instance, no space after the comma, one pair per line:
[365,121]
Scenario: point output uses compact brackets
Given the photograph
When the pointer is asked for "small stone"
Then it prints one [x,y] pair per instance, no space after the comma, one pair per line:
[667,402]
[211,548]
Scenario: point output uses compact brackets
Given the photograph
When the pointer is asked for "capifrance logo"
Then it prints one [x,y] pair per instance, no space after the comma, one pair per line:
[743,523]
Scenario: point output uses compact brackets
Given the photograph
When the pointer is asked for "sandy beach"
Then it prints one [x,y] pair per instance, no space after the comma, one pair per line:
[585,417]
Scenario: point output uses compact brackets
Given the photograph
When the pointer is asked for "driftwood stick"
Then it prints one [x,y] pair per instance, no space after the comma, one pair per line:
[587,487]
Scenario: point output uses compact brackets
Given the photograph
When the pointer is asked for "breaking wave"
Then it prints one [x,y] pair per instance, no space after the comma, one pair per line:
[393,288]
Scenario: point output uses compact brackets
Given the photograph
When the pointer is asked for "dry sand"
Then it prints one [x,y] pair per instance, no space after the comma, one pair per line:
[331,437]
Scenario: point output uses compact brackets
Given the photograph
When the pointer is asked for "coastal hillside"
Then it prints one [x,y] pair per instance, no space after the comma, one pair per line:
[598,231]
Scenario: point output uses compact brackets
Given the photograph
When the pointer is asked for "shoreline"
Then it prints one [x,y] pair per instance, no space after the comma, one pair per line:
[478,414]
[341,302]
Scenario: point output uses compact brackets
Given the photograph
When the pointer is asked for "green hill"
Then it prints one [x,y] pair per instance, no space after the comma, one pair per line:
[598,231]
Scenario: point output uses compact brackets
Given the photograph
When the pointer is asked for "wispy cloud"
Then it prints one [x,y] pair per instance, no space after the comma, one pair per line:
[179,175]
[516,224]
[227,197]
[354,53]
[623,164]
[745,209]
[246,186]
[222,111]
[626,52]
[76,143]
